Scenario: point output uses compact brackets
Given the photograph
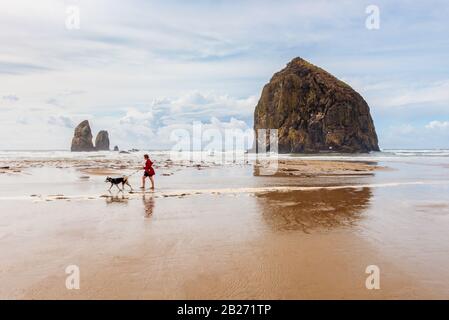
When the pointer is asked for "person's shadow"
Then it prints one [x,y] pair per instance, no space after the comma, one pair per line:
[148,204]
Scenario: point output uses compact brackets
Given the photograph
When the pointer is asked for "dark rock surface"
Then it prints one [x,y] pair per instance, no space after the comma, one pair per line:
[82,140]
[314,111]
[102,141]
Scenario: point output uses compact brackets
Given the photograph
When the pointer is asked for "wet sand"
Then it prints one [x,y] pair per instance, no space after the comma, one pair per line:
[225,232]
[313,168]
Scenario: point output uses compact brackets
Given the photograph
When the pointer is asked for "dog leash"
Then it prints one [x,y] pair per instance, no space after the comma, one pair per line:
[134,172]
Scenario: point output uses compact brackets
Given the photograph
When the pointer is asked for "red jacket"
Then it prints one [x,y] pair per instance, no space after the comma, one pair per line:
[149,167]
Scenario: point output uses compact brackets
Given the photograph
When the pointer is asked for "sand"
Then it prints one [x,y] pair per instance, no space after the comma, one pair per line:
[310,168]
[225,232]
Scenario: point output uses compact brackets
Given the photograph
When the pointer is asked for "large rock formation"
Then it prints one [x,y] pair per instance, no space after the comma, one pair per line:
[314,111]
[102,141]
[82,140]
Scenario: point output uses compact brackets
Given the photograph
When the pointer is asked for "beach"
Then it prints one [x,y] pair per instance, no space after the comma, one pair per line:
[218,227]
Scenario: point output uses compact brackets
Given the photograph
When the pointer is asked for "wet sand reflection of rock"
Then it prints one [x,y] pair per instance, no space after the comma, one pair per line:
[315,209]
[148,204]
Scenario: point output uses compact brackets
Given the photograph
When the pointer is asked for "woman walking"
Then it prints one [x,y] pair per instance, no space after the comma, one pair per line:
[149,172]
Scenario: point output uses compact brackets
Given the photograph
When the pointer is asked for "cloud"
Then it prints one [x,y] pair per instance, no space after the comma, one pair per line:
[136,117]
[197,106]
[208,135]
[62,121]
[142,67]
[11,98]
[199,134]
[54,102]
[11,68]
[23,120]
[438,125]
[156,126]
[434,93]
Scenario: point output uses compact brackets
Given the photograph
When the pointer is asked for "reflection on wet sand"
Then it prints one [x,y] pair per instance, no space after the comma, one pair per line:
[147,200]
[314,209]
[116,198]
[148,204]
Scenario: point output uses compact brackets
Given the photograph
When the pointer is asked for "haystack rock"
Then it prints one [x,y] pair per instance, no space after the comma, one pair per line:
[82,140]
[102,141]
[314,111]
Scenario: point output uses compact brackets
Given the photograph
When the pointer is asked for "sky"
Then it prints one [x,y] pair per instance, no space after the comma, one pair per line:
[142,69]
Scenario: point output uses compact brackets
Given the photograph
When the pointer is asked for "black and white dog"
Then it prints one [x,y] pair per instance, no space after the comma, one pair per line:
[117,181]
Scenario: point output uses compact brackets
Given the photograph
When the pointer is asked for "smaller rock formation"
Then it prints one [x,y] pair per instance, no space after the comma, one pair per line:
[82,140]
[116,148]
[102,141]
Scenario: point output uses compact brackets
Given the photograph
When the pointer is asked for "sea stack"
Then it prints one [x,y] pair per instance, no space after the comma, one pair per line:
[314,112]
[82,140]
[102,141]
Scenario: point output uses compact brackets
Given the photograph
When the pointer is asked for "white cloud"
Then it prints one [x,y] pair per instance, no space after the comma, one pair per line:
[136,117]
[438,125]
[436,93]
[199,134]
[210,60]
[208,135]
[156,126]
[10,98]
[145,126]
[61,120]
[196,106]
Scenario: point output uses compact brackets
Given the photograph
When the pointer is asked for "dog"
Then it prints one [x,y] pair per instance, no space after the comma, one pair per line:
[116,181]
